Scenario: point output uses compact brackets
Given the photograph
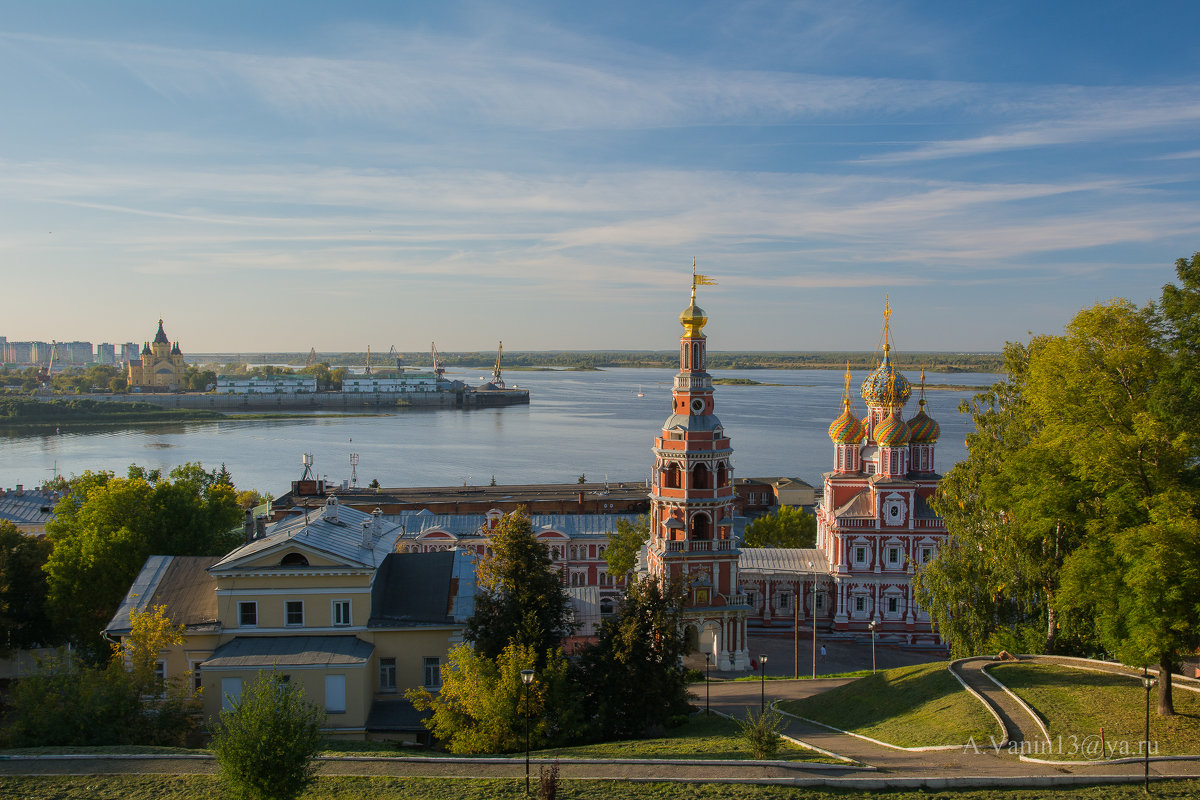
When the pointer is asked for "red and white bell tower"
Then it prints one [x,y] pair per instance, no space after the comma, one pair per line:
[691,504]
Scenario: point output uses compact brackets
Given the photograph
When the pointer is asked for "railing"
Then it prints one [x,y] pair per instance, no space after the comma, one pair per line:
[725,544]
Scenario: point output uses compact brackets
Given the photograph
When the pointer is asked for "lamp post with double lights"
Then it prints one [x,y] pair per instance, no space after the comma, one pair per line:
[762,665]
[815,593]
[527,679]
[873,626]
[707,679]
[1148,682]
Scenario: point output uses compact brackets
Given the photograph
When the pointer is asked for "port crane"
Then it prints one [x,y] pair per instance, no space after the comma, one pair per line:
[399,361]
[498,381]
[48,367]
[368,369]
[438,370]
[312,357]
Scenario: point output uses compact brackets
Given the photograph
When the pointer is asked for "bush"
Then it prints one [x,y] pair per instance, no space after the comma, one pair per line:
[266,746]
[761,732]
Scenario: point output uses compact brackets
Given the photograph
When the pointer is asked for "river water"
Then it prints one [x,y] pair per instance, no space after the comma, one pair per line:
[576,423]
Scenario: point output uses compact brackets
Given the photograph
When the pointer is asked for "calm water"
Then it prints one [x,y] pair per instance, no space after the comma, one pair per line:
[577,422]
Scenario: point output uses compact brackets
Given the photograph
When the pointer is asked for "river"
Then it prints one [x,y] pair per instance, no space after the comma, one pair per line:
[590,423]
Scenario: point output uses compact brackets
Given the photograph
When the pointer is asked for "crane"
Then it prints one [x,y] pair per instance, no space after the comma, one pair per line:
[48,367]
[399,361]
[438,370]
[368,369]
[312,357]
[498,381]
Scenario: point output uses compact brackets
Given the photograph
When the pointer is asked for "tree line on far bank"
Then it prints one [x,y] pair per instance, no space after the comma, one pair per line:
[1075,520]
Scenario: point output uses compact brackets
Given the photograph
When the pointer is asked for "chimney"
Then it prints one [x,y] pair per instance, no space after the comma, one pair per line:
[581,498]
[260,526]
[366,534]
[249,525]
[20,490]
[377,521]
[331,510]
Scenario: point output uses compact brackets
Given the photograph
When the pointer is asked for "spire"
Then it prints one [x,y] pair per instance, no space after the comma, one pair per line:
[693,317]
[161,336]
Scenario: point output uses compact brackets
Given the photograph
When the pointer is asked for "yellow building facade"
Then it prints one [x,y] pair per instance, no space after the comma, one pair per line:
[161,367]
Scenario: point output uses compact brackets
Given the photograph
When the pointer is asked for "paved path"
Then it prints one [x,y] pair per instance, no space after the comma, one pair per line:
[1019,725]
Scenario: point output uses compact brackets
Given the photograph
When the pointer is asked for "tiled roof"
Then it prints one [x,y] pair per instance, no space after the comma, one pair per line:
[782,559]
[249,652]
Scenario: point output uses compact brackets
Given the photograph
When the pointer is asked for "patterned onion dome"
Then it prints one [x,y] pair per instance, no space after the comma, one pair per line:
[847,429]
[891,431]
[922,428]
[693,319]
[886,385]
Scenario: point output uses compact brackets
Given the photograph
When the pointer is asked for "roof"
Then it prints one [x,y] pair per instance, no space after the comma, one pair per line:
[249,652]
[858,506]
[394,714]
[423,589]
[334,531]
[922,509]
[782,559]
[460,525]
[700,422]
[181,583]
[28,509]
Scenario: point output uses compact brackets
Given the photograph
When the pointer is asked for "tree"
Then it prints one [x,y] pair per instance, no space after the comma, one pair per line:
[267,744]
[481,707]
[582,479]
[520,595]
[632,677]
[24,621]
[786,526]
[106,527]
[624,544]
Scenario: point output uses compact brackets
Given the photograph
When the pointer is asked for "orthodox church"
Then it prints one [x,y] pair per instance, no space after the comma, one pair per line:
[161,367]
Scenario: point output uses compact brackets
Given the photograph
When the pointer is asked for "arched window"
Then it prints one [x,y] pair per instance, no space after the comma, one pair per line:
[293,560]
[722,474]
[700,477]
[671,476]
[701,527]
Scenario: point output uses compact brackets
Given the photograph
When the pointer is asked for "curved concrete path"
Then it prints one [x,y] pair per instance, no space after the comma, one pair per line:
[1019,726]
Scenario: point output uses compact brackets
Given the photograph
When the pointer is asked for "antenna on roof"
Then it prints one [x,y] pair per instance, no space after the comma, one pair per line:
[307,460]
[354,469]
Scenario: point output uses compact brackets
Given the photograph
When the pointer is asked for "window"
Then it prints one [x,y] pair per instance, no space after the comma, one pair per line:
[893,555]
[860,604]
[197,683]
[925,555]
[893,605]
[231,692]
[784,599]
[293,612]
[860,554]
[433,672]
[248,614]
[293,560]
[387,674]
[606,607]
[335,694]
[341,612]
[750,599]
[820,601]
[160,672]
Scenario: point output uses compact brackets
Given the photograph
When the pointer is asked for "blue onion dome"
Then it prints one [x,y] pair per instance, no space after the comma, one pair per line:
[922,428]
[847,429]
[891,431]
[886,386]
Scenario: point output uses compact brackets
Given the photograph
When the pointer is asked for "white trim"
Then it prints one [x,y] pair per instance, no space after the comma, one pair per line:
[292,592]
[281,668]
[287,612]
[333,604]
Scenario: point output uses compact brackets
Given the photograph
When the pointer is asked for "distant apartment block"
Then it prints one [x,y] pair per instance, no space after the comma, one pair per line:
[106,353]
[273,384]
[369,384]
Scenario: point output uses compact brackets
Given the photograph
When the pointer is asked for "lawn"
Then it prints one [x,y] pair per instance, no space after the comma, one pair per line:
[187,787]
[1077,704]
[698,738]
[918,706]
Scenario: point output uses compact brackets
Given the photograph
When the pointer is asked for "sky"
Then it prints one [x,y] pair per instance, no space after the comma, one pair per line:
[280,176]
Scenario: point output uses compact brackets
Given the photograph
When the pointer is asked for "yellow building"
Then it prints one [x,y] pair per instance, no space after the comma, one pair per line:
[324,601]
[161,367]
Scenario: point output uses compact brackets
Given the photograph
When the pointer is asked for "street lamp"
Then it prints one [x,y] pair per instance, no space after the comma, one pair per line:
[796,631]
[815,593]
[527,679]
[1148,682]
[873,626]
[707,672]
[762,663]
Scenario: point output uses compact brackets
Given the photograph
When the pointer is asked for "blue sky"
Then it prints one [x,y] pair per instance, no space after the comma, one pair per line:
[280,176]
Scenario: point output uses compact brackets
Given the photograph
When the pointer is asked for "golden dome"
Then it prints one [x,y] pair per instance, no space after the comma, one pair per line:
[693,319]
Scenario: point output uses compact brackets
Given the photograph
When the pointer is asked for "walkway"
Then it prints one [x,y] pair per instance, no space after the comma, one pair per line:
[1018,724]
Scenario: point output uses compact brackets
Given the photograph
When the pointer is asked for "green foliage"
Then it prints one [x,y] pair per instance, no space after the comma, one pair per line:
[24,621]
[786,526]
[624,544]
[582,479]
[24,411]
[266,746]
[760,732]
[520,596]
[631,678]
[481,707]
[104,530]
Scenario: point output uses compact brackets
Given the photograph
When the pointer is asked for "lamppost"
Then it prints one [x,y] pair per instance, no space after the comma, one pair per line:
[815,593]
[527,679]
[796,631]
[1148,682]
[762,664]
[707,673]
[873,626]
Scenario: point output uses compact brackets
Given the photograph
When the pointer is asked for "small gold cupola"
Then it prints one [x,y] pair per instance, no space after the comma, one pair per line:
[693,319]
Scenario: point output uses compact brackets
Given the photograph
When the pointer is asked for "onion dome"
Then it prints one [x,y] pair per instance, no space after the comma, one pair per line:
[891,431]
[922,428]
[146,349]
[161,336]
[693,319]
[175,351]
[846,429]
[886,386]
